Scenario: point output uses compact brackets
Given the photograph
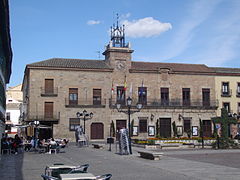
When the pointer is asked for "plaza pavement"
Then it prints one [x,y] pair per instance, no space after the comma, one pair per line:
[174,165]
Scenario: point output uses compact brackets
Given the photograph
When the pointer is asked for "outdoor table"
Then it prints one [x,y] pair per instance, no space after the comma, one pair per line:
[50,169]
[77,176]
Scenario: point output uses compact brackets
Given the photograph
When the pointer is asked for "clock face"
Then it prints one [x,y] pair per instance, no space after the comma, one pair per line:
[120,65]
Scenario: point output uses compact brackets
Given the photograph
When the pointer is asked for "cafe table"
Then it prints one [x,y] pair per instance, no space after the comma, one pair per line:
[77,176]
[58,167]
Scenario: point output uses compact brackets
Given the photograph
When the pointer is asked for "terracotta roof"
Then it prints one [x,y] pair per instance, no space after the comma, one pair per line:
[226,70]
[71,63]
[176,67]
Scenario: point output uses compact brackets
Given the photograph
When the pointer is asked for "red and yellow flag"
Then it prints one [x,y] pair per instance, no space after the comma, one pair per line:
[125,84]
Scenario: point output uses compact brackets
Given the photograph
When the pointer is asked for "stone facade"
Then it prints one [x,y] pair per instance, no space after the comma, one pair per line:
[120,69]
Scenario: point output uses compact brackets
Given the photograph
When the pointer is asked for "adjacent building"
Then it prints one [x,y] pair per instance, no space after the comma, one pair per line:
[227,83]
[5,60]
[14,103]
[54,90]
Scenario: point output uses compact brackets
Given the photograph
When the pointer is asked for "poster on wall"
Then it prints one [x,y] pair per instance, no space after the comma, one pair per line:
[135,131]
[151,130]
[179,130]
[195,131]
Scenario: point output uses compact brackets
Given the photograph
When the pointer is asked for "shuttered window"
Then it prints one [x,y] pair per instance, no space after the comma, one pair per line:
[49,83]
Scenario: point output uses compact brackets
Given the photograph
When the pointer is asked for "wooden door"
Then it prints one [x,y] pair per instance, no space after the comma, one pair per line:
[97,131]
[48,110]
[120,124]
[207,128]
[165,127]
[48,86]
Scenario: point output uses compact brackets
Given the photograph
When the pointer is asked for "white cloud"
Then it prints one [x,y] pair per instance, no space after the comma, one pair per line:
[198,13]
[93,22]
[145,27]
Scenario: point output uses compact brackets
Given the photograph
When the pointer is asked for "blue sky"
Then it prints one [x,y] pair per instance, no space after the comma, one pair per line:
[186,31]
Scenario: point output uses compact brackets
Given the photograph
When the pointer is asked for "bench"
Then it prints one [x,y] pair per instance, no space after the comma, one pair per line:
[150,155]
[97,146]
[169,146]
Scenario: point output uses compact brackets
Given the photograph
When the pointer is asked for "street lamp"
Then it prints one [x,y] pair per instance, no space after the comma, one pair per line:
[84,116]
[129,112]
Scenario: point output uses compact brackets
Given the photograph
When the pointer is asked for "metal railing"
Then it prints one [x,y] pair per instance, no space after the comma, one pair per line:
[49,92]
[84,102]
[42,116]
[174,103]
[226,93]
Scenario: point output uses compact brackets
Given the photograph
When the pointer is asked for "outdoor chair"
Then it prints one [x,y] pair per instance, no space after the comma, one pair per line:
[80,169]
[45,177]
[7,150]
[104,177]
[53,148]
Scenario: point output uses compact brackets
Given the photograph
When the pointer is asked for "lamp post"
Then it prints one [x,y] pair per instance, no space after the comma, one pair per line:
[129,112]
[84,116]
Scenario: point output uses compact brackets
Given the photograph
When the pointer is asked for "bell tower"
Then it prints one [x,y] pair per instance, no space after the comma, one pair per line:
[117,52]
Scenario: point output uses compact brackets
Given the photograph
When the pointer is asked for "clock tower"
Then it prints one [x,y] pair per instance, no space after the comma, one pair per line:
[118,53]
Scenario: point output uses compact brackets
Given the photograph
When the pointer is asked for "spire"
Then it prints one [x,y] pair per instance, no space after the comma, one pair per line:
[117,35]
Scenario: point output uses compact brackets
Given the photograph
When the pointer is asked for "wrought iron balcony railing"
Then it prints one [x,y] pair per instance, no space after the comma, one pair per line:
[44,116]
[85,103]
[49,92]
[227,93]
[174,103]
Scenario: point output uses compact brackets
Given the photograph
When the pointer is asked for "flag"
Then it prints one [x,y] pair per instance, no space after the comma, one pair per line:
[125,84]
[141,89]
[130,91]
[112,90]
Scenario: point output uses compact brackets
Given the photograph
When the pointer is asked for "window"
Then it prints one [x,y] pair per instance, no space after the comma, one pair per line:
[8,117]
[238,89]
[120,95]
[73,96]
[143,125]
[186,96]
[142,95]
[49,86]
[226,105]
[164,96]
[48,109]
[73,124]
[187,125]
[225,89]
[96,96]
[206,97]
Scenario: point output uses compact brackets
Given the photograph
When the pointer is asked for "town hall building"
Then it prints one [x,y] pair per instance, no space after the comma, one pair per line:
[57,89]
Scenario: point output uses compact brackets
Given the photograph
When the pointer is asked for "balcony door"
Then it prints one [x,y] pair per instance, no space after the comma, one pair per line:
[186,96]
[206,97]
[49,83]
[48,109]
[73,96]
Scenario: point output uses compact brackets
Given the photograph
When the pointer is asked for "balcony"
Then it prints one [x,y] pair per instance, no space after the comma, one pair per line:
[226,93]
[42,116]
[49,92]
[85,103]
[175,103]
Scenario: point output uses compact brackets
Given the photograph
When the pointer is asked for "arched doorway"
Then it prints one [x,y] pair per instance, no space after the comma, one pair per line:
[97,131]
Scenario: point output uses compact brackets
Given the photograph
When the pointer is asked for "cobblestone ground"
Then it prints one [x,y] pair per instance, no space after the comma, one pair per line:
[180,164]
